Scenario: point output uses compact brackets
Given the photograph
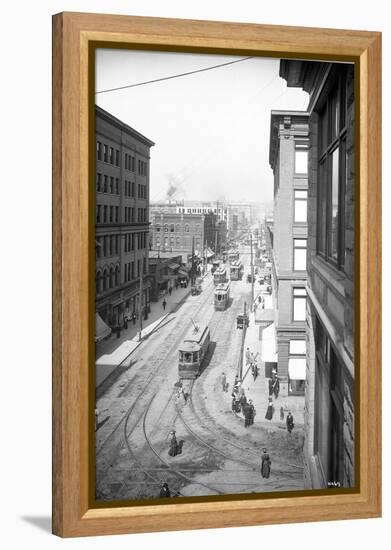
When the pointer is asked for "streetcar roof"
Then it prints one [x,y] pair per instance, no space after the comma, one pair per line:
[222,287]
[194,337]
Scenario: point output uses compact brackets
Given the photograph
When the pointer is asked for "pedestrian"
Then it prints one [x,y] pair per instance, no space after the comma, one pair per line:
[164,491]
[282,413]
[266,463]
[176,284]
[134,318]
[247,415]
[164,303]
[236,381]
[289,422]
[223,380]
[173,444]
[170,290]
[270,383]
[270,409]
[248,356]
[252,412]
[254,370]
[233,405]
[243,401]
[259,299]
[276,387]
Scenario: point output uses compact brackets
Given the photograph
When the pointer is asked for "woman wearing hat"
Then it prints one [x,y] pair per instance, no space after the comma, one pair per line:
[164,491]
[173,444]
[266,463]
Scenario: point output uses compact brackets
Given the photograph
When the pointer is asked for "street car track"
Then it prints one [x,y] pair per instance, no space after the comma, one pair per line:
[153,374]
[206,303]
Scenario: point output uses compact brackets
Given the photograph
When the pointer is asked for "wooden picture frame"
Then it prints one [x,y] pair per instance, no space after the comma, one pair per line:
[73,37]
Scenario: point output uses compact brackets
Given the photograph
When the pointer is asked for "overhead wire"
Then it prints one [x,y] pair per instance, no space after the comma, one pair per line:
[171,77]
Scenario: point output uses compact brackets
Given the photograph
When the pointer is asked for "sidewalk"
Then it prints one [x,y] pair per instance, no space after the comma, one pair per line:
[113,351]
[258,391]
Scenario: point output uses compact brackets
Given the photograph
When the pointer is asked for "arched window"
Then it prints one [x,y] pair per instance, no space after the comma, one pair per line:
[112,276]
[178,241]
[172,227]
[105,279]
[187,228]
[158,241]
[117,275]
[166,227]
[177,227]
[171,240]
[157,227]
[98,282]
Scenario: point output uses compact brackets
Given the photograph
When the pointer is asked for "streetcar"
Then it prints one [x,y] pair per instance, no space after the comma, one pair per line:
[233,256]
[221,296]
[236,271]
[220,275]
[192,351]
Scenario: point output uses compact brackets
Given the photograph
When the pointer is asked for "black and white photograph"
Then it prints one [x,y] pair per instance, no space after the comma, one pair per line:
[224,275]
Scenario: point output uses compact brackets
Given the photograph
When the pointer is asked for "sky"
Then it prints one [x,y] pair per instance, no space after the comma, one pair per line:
[211,129]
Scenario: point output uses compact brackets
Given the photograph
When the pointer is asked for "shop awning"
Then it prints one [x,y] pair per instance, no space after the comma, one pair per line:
[297,368]
[173,266]
[183,271]
[101,329]
[209,253]
[268,350]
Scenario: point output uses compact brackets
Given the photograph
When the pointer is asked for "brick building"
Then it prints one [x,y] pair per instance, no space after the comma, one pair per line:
[288,157]
[330,387]
[174,232]
[121,224]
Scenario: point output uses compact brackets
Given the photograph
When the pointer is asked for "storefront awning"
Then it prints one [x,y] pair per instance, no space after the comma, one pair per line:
[297,368]
[183,272]
[268,349]
[101,329]
[173,266]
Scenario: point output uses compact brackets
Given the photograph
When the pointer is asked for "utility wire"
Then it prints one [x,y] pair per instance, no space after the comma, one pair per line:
[174,76]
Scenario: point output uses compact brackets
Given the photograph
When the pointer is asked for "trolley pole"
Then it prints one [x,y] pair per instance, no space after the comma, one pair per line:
[252,273]
[192,262]
[140,301]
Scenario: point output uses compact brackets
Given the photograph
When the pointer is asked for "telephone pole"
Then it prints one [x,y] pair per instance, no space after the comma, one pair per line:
[140,301]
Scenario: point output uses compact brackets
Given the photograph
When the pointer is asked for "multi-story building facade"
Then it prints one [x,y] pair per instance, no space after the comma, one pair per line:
[121,224]
[174,232]
[288,157]
[330,386]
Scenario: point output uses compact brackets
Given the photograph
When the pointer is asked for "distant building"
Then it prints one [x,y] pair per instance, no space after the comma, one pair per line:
[121,223]
[174,232]
[330,387]
[288,157]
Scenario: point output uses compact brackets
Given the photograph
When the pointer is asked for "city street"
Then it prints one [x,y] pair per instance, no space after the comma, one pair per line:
[217,455]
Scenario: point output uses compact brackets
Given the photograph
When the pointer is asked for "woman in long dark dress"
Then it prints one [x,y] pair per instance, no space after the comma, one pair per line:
[270,410]
[173,444]
[266,463]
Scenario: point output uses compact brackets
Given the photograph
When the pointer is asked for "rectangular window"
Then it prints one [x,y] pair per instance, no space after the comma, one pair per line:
[99,150]
[105,184]
[111,184]
[299,303]
[300,209]
[332,174]
[99,183]
[111,157]
[116,214]
[105,214]
[98,213]
[301,161]
[117,186]
[105,152]
[116,157]
[299,254]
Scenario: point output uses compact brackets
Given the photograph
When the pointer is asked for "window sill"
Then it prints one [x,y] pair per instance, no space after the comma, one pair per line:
[330,274]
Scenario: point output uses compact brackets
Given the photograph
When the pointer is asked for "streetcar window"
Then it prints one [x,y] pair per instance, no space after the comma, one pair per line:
[181,356]
[188,358]
[219,297]
[195,356]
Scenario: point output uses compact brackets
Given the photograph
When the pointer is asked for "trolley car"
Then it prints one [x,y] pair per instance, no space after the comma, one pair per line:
[220,275]
[233,256]
[236,271]
[221,296]
[192,351]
